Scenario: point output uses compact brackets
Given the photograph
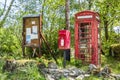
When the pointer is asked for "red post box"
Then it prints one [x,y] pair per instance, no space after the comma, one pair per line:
[64,39]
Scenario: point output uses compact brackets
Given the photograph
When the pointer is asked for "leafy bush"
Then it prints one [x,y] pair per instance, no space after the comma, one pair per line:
[78,63]
[106,44]
[115,50]
[27,72]
[52,40]
[8,42]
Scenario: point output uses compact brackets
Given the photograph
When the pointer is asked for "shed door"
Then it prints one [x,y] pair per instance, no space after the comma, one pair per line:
[85,41]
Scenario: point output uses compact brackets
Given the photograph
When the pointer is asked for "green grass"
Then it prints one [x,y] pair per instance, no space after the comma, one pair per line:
[112,63]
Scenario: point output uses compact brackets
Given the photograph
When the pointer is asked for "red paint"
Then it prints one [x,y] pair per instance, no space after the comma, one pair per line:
[64,39]
[86,37]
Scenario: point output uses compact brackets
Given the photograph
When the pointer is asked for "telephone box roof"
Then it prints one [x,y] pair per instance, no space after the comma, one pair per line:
[88,11]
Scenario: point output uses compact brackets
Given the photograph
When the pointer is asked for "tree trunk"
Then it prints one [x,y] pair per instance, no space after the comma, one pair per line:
[67,14]
[106,23]
[106,30]
[67,19]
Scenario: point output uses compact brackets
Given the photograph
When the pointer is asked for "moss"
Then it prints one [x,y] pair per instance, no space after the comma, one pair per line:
[115,48]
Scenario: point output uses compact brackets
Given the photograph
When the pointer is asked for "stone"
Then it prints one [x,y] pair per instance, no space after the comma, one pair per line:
[48,77]
[42,68]
[105,72]
[52,65]
[66,72]
[91,68]
[9,66]
[70,78]
[80,77]
[81,72]
[117,76]
[41,65]
[58,75]
[86,75]
[75,72]
[115,51]
[52,72]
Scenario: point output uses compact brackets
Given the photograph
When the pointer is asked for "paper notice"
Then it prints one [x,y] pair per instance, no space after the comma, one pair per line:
[34,36]
[33,22]
[34,29]
[28,38]
[28,31]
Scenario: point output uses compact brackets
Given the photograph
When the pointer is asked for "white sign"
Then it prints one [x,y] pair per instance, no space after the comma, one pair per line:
[33,22]
[34,36]
[62,42]
[82,17]
[34,29]
[28,31]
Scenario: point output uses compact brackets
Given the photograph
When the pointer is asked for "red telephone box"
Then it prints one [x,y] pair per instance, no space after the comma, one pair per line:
[64,39]
[87,44]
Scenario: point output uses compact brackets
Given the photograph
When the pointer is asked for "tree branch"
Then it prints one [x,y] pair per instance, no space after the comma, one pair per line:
[6,14]
[3,8]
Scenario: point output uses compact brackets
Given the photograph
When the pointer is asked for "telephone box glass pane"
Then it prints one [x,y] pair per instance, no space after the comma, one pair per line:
[85,39]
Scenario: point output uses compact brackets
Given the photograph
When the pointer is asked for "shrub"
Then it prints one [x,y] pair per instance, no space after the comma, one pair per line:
[8,42]
[115,50]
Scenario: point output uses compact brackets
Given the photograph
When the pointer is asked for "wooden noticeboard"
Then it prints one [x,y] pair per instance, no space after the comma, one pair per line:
[32,25]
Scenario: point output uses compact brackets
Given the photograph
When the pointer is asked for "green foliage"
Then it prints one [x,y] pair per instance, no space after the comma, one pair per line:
[27,72]
[113,39]
[8,42]
[94,78]
[106,46]
[52,40]
[78,63]
[116,48]
[3,76]
[63,78]
[112,63]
